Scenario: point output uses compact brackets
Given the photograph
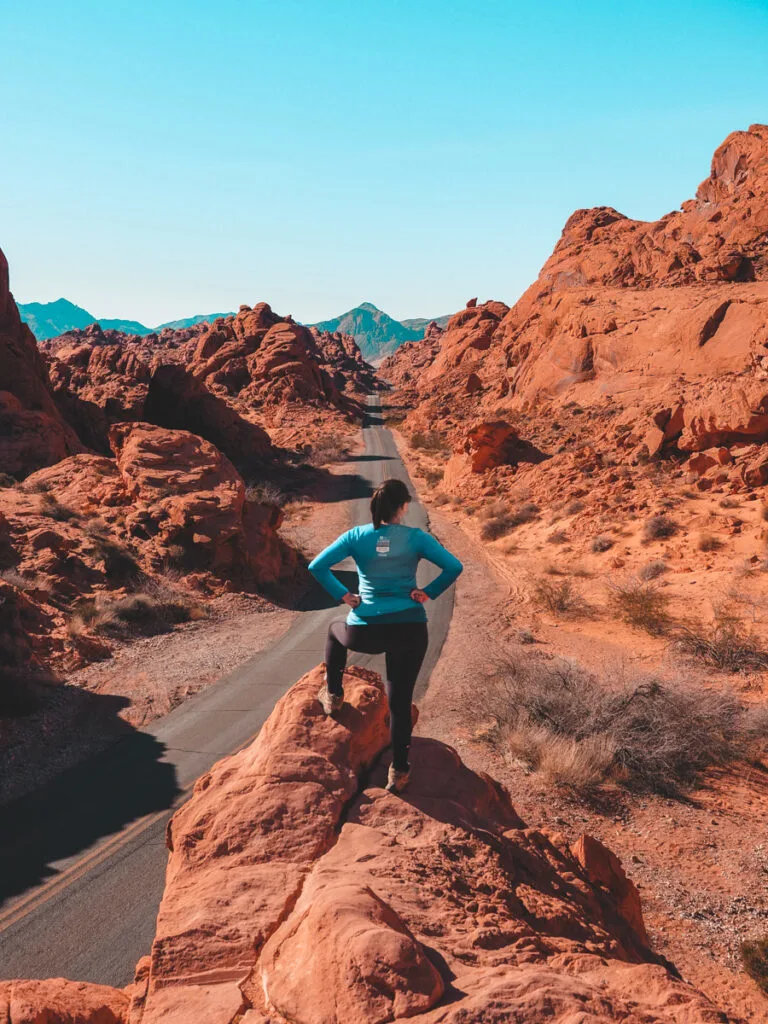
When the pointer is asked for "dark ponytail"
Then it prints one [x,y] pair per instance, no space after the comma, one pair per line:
[387,499]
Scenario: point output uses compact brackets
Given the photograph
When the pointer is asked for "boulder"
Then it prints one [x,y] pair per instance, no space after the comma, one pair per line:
[57,1001]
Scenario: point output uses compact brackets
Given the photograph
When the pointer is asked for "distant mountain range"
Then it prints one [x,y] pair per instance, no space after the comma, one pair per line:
[376,333]
[49,319]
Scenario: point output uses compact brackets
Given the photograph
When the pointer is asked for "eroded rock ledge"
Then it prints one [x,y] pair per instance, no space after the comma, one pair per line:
[299,891]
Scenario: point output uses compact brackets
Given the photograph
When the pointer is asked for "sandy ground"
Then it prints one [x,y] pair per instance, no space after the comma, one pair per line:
[701,864]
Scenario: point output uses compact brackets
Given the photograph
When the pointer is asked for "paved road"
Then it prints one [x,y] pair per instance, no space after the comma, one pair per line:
[83,860]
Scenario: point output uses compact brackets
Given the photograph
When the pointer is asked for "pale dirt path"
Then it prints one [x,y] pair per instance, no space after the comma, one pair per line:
[701,866]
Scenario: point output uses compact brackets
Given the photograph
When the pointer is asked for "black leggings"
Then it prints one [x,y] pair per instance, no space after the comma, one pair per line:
[404,644]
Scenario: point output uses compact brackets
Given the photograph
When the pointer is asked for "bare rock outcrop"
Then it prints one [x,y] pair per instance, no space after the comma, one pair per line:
[32,431]
[90,526]
[98,383]
[299,890]
[656,333]
[57,1001]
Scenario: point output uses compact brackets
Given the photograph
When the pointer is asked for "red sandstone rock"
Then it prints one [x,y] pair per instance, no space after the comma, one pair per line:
[663,323]
[294,896]
[32,432]
[183,491]
[57,1001]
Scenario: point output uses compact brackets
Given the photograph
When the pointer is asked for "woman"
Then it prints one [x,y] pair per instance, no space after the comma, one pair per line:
[388,616]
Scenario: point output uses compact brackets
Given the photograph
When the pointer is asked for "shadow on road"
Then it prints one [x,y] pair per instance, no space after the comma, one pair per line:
[94,798]
[317,598]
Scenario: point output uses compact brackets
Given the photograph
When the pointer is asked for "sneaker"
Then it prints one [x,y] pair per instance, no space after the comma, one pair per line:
[330,702]
[397,781]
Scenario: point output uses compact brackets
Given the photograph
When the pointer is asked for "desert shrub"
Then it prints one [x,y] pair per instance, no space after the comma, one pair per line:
[29,584]
[728,503]
[557,537]
[659,528]
[36,486]
[433,477]
[441,498]
[327,449]
[754,957]
[265,493]
[725,645]
[582,730]
[652,570]
[6,480]
[51,506]
[602,543]
[573,507]
[709,543]
[120,563]
[501,523]
[559,598]
[641,604]
[428,441]
[155,610]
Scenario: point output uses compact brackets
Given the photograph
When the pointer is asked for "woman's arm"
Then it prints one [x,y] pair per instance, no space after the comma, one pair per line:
[434,552]
[320,567]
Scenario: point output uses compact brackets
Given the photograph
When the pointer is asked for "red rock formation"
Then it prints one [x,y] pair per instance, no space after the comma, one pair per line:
[294,895]
[57,1001]
[258,359]
[663,322]
[98,383]
[32,432]
[89,525]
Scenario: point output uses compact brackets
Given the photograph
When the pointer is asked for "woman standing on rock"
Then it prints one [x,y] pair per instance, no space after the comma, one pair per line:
[388,616]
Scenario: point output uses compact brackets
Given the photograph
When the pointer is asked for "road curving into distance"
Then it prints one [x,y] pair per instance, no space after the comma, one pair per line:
[83,860]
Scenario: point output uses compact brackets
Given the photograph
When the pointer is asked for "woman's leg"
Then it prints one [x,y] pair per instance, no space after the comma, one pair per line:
[405,654]
[342,638]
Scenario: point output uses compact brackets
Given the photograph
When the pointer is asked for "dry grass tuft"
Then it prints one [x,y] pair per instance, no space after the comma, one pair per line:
[652,570]
[51,506]
[558,597]
[29,584]
[428,441]
[6,480]
[659,528]
[500,523]
[709,543]
[265,493]
[725,645]
[120,564]
[602,543]
[156,609]
[433,477]
[557,537]
[641,604]
[582,730]
[327,449]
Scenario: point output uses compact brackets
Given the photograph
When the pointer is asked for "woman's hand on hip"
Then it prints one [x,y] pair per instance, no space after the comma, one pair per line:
[420,596]
[353,600]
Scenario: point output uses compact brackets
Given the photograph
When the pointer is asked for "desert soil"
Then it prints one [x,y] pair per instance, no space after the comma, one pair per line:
[700,863]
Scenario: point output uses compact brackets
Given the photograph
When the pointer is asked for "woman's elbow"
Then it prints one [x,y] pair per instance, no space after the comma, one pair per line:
[458,567]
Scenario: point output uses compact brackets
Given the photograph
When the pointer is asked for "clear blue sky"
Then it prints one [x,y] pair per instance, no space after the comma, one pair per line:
[172,157]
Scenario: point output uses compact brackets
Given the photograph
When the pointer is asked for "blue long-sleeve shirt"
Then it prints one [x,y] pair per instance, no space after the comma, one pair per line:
[386,562]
